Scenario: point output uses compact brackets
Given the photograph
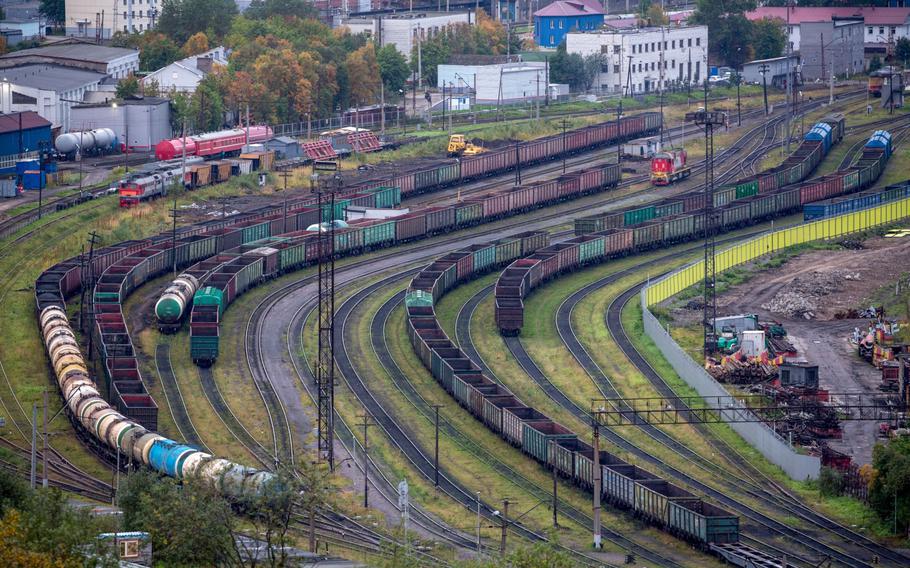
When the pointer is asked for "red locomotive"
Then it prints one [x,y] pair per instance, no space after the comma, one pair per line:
[213,144]
[669,166]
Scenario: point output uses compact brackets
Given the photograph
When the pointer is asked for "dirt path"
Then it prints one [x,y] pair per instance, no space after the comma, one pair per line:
[824,340]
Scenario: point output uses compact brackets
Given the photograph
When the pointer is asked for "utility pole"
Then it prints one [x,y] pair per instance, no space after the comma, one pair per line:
[763,69]
[325,368]
[789,78]
[88,285]
[44,452]
[618,130]
[565,124]
[34,463]
[555,495]
[629,77]
[174,235]
[831,84]
[436,407]
[739,108]
[517,166]
[505,525]
[598,486]
[366,459]
[478,524]
[661,86]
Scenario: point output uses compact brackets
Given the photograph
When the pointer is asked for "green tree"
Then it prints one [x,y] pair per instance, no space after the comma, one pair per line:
[902,50]
[189,525]
[875,63]
[656,16]
[180,19]
[264,9]
[53,10]
[889,493]
[393,68]
[593,65]
[13,492]
[729,31]
[768,38]
[127,87]
[156,50]
[568,68]
[207,106]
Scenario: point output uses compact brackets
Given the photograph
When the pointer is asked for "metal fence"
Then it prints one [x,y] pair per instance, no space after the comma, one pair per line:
[777,450]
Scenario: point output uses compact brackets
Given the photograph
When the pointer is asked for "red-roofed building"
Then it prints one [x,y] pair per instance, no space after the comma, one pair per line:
[881,26]
[553,22]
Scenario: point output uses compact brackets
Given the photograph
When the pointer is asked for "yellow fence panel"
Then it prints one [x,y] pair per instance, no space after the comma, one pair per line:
[832,228]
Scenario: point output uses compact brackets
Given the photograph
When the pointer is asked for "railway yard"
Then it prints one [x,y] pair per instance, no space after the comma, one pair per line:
[471,336]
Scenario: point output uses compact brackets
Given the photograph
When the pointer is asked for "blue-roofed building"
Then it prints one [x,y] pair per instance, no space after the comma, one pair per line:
[552,23]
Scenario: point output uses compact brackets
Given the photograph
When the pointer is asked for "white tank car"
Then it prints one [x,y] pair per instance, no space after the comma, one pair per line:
[86,141]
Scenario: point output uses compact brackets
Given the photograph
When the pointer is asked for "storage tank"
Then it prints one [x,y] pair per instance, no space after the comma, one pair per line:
[86,141]
[172,304]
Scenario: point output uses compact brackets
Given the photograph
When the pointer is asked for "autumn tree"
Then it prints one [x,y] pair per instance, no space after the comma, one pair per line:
[656,16]
[198,43]
[150,88]
[362,65]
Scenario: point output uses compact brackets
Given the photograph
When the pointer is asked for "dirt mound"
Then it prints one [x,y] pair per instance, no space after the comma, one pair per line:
[801,297]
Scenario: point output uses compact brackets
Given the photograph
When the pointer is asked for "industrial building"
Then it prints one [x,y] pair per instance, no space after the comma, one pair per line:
[503,82]
[22,134]
[141,122]
[775,71]
[634,56]
[882,27]
[185,75]
[403,30]
[49,90]
[19,30]
[832,48]
[284,147]
[554,21]
[101,18]
[118,62]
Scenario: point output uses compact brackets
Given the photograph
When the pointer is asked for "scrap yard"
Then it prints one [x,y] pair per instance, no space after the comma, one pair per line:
[288,316]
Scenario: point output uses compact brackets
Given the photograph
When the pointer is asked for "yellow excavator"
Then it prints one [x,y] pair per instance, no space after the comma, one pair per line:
[458,146]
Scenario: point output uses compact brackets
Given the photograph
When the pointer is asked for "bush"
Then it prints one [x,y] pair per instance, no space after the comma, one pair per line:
[830,482]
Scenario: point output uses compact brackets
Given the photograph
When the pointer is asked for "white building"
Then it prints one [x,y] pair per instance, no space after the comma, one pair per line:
[634,57]
[140,122]
[504,82]
[49,90]
[402,30]
[30,29]
[118,62]
[85,17]
[185,75]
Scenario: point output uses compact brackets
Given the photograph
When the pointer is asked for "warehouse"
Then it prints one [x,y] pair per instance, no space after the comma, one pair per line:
[146,121]
[403,30]
[775,71]
[284,147]
[118,62]
[21,135]
[502,82]
[49,90]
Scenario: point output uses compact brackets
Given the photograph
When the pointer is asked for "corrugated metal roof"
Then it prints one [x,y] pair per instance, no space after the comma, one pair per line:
[50,77]
[30,119]
[76,51]
[571,8]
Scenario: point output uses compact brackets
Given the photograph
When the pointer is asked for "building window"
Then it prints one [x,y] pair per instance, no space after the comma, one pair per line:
[892,30]
[129,548]
[698,41]
[560,24]
[673,64]
[881,30]
[870,30]
[690,42]
[552,41]
[552,24]
[673,44]
[616,49]
[616,69]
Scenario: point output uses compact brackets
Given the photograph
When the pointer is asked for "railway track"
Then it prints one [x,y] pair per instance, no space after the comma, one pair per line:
[174,398]
[380,348]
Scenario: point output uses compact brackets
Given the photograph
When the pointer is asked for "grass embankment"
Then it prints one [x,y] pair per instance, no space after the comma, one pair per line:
[58,236]
[459,460]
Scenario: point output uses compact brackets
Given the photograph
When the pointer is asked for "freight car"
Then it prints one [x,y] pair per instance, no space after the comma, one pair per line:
[549,443]
[221,144]
[662,224]
[154,180]
[797,167]
[848,204]
[302,248]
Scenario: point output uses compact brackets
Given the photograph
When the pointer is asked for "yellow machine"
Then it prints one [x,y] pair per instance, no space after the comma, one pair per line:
[458,146]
